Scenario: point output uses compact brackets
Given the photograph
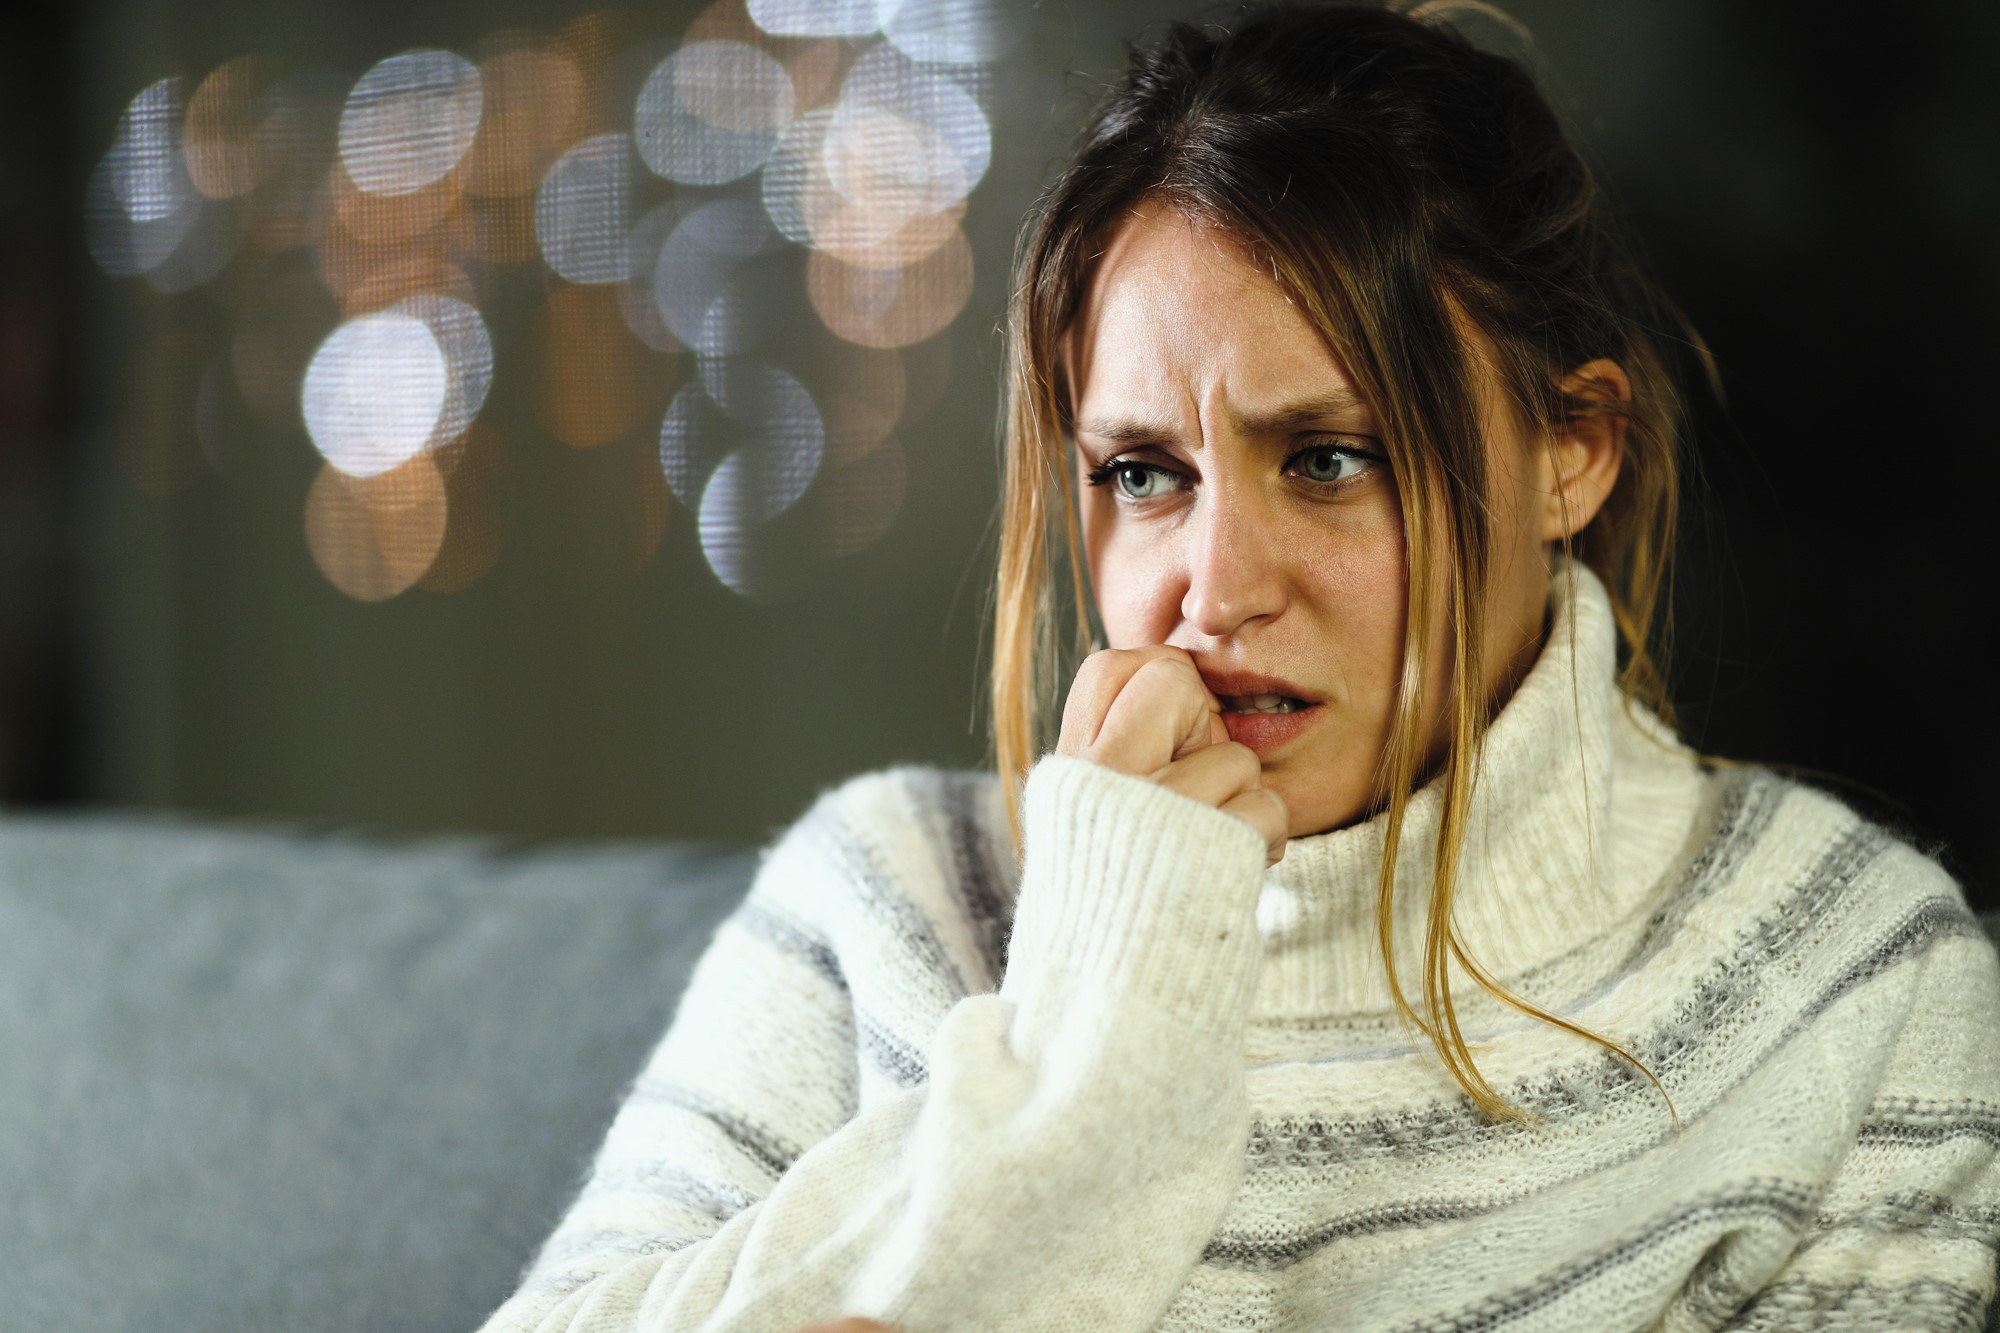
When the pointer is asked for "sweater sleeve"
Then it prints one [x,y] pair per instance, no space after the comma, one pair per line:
[1079,1135]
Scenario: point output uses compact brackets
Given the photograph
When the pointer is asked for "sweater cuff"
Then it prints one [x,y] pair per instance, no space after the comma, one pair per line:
[1133,894]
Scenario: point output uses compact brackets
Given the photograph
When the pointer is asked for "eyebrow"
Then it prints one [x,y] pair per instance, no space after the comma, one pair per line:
[1277,421]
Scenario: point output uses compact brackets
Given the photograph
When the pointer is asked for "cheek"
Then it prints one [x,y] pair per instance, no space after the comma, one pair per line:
[1135,592]
[1357,589]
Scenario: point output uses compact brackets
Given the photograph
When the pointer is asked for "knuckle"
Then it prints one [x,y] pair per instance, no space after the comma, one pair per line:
[1089,669]
[1177,671]
[1242,761]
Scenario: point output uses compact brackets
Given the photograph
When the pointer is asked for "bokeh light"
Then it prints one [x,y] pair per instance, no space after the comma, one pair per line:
[643,247]
[958,32]
[731,511]
[783,434]
[748,410]
[148,173]
[375,392]
[816,72]
[402,221]
[815,18]
[720,284]
[468,358]
[795,239]
[711,112]
[695,436]
[534,105]
[477,477]
[914,126]
[204,250]
[409,120]
[142,214]
[860,392]
[583,211]
[880,307]
[224,154]
[796,166]
[374,537]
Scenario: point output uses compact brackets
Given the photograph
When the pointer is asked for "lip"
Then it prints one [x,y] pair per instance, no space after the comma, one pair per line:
[1249,682]
[1267,733]
[1264,733]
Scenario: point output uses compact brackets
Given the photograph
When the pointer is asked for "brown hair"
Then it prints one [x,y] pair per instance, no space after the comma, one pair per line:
[1399,184]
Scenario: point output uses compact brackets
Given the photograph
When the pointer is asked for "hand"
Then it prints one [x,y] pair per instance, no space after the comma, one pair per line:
[1145,712]
[848,1325]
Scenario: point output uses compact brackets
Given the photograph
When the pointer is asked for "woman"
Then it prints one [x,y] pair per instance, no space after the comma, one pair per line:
[1376,956]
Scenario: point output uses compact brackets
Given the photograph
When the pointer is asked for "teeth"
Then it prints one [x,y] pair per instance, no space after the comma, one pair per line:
[1260,703]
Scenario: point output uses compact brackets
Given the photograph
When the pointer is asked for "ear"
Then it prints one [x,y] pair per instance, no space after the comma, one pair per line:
[1576,473]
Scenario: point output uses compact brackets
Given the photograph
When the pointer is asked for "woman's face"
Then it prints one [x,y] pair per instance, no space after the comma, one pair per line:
[1237,504]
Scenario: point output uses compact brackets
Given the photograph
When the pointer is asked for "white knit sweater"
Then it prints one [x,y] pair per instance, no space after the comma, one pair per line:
[1145,1083]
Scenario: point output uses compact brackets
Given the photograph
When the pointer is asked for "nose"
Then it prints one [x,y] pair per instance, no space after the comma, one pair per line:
[1233,565]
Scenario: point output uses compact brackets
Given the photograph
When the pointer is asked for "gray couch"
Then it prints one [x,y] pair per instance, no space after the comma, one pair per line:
[268,1080]
[271,1080]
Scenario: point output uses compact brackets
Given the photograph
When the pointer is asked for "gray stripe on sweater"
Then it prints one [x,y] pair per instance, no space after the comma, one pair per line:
[1263,1253]
[1921,1213]
[772,1152]
[571,1254]
[1323,1144]
[1747,807]
[1906,1122]
[1586,1085]
[977,879]
[1277,1251]
[717,1200]
[1864,1307]
[780,931]
[876,890]
[894,1057]
[1785,1202]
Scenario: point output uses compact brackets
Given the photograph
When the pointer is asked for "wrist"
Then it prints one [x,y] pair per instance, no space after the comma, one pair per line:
[1132,891]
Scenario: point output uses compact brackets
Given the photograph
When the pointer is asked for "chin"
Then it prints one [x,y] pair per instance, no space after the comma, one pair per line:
[1320,816]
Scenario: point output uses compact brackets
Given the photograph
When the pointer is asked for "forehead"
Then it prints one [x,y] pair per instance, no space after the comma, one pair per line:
[1180,320]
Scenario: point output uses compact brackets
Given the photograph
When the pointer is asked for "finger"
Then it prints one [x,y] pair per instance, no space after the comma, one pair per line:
[1162,710]
[1099,678]
[1214,774]
[1207,730]
[1265,811]
[849,1325]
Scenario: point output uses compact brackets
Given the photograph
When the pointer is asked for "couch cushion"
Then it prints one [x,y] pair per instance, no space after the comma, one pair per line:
[270,1080]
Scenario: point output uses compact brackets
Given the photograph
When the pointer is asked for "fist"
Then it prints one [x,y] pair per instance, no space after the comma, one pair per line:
[1145,712]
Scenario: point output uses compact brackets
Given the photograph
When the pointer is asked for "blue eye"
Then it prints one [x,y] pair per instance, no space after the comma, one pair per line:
[1140,482]
[1329,465]
[1136,481]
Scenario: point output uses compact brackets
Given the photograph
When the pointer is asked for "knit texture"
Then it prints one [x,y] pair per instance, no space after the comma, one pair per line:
[1142,1082]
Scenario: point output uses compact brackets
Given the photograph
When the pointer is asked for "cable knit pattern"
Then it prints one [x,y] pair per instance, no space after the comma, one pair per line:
[1141,1082]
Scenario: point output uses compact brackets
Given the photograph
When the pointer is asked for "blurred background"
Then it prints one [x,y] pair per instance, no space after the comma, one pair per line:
[564,422]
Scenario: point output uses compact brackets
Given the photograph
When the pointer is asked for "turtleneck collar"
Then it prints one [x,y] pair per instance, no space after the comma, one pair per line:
[1579,809]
